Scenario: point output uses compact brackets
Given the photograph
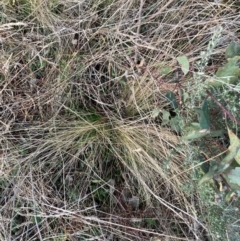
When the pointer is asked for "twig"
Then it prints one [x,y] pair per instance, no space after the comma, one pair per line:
[139,26]
[224,109]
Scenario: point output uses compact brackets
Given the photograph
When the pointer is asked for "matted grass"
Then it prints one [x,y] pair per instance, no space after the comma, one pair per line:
[81,156]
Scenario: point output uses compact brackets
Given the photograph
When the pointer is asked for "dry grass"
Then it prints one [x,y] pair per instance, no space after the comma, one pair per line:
[79,81]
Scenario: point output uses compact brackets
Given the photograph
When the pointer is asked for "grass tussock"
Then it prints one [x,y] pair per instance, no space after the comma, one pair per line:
[81,155]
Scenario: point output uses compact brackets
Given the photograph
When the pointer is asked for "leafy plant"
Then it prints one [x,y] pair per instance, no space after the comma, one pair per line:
[222,170]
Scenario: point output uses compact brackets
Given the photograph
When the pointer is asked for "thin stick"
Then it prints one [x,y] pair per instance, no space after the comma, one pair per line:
[139,26]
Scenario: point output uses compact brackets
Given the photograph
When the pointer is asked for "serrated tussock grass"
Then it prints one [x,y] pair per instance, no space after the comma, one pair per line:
[79,82]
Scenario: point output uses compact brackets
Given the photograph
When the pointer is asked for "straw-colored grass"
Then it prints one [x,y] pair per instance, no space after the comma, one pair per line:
[79,81]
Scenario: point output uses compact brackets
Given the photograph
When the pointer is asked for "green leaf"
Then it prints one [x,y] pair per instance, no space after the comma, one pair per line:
[231,71]
[176,122]
[185,96]
[155,113]
[212,171]
[172,99]
[228,74]
[234,148]
[196,134]
[232,50]
[204,119]
[195,126]
[164,70]
[204,166]
[195,131]
[234,176]
[217,133]
[201,129]
[233,153]
[238,193]
[165,117]
[184,63]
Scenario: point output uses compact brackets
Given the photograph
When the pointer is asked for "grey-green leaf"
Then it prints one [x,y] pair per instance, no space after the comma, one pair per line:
[155,113]
[165,116]
[164,70]
[230,72]
[232,50]
[196,134]
[172,99]
[204,118]
[184,63]
[234,176]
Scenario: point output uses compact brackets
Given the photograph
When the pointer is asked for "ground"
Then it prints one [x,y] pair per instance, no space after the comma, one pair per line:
[108,110]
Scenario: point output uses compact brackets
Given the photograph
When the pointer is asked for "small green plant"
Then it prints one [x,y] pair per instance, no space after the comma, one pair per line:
[215,146]
[227,166]
[220,172]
